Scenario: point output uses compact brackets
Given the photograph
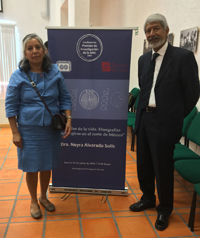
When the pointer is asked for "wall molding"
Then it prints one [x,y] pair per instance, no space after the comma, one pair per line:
[4,126]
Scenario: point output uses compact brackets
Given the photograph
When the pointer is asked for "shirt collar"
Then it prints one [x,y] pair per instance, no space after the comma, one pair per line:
[162,50]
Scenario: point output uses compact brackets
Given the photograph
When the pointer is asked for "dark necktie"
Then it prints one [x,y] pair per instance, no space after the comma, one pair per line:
[145,92]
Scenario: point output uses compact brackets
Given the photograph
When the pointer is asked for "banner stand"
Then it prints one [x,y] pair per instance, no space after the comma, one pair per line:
[95,64]
[53,189]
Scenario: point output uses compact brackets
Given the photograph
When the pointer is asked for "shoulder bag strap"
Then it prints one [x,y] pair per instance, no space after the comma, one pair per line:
[34,86]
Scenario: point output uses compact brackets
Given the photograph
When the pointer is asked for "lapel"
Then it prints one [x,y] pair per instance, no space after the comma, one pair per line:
[165,64]
[147,60]
[145,65]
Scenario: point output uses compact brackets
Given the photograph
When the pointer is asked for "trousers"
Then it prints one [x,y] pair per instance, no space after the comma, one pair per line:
[154,162]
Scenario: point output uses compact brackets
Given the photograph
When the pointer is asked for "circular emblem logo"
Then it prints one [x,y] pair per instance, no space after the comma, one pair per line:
[89,99]
[89,47]
[118,99]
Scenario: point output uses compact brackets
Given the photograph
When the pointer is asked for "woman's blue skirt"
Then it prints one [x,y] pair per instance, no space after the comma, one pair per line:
[41,148]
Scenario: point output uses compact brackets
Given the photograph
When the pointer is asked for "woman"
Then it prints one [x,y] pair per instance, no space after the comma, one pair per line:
[37,142]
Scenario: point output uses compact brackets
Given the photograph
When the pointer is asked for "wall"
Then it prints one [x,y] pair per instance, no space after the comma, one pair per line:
[55,12]
[181,15]
[28,19]
[95,12]
[24,14]
[64,14]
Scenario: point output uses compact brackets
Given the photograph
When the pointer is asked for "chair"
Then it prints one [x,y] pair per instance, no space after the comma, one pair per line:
[190,170]
[193,206]
[134,94]
[132,115]
[133,125]
[186,123]
[193,134]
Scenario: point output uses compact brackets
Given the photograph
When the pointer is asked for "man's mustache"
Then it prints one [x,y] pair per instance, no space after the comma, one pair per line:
[153,38]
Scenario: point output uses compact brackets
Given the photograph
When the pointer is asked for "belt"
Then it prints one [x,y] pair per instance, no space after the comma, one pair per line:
[150,109]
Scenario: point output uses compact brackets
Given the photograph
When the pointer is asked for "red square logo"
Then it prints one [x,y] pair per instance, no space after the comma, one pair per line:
[105,66]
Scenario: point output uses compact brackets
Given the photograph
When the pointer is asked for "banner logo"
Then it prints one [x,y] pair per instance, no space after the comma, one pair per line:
[105,66]
[89,99]
[118,99]
[89,47]
[64,66]
[113,67]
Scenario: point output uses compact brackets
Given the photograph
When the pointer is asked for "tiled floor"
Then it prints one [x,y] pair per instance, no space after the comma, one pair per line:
[85,215]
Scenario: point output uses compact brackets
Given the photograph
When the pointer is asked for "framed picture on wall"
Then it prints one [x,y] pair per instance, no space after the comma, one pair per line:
[146,47]
[189,38]
[1,5]
[171,38]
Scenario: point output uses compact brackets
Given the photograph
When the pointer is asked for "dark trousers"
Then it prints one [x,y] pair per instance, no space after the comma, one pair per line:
[154,160]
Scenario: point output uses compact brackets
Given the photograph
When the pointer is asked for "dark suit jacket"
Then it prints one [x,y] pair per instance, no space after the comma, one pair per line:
[176,91]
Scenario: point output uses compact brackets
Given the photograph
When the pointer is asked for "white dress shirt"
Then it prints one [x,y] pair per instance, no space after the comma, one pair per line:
[159,59]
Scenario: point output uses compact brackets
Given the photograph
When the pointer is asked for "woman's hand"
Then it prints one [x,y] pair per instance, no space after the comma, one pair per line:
[68,128]
[17,140]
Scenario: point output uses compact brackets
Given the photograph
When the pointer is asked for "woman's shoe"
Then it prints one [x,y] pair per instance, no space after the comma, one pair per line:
[37,214]
[49,208]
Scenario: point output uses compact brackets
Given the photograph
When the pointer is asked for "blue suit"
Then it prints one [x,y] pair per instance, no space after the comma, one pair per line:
[41,143]
[22,100]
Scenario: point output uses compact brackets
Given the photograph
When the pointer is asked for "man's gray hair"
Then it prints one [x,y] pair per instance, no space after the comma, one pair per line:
[156,18]
[29,37]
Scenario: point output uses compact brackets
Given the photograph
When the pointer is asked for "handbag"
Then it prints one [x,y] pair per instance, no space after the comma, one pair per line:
[58,120]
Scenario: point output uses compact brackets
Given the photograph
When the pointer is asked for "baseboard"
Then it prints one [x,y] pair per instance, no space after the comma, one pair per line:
[4,125]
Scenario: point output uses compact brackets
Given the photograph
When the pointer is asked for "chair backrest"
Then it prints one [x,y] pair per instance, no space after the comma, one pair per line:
[197,188]
[136,103]
[132,97]
[135,92]
[188,120]
[194,130]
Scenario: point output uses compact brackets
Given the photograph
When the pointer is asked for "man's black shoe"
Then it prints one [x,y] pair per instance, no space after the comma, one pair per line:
[141,206]
[162,222]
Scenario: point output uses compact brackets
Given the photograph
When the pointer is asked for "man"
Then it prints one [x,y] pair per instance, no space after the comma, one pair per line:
[163,104]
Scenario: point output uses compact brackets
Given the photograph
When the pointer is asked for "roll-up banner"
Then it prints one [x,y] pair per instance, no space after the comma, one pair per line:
[96,66]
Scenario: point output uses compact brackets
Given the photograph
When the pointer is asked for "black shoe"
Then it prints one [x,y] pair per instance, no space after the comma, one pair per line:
[141,206]
[162,222]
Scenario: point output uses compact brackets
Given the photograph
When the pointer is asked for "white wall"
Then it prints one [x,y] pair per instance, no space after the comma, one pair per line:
[79,13]
[55,12]
[182,14]
[27,16]
[28,19]
[95,12]
[64,13]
